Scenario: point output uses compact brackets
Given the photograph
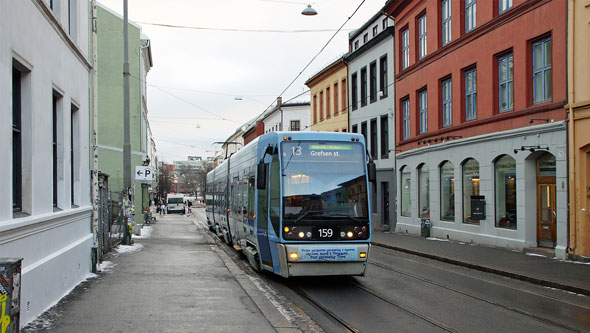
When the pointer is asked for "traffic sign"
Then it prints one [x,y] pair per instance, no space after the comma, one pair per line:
[144,173]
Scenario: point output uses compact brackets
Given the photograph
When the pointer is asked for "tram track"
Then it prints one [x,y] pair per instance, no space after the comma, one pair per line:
[439,285]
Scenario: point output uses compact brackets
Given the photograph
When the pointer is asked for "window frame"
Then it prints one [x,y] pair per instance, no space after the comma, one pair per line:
[423,110]
[543,69]
[422,36]
[463,191]
[441,168]
[405,106]
[471,21]
[17,141]
[373,81]
[502,3]
[383,76]
[374,138]
[447,103]
[446,22]
[405,49]
[364,87]
[354,90]
[471,93]
[405,195]
[421,172]
[506,82]
[384,134]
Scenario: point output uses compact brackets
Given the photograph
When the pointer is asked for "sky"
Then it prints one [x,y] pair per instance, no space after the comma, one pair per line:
[231,61]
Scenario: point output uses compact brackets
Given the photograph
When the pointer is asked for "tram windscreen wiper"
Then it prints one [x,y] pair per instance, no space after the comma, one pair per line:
[307,213]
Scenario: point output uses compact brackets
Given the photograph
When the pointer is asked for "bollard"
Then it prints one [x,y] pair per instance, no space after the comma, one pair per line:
[425,228]
[10,294]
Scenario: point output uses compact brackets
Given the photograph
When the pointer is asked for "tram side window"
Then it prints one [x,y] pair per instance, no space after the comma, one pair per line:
[244,195]
[251,191]
[275,194]
[263,208]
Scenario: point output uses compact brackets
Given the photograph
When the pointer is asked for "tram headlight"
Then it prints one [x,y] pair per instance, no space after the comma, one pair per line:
[349,234]
[301,234]
[286,229]
[293,256]
[363,255]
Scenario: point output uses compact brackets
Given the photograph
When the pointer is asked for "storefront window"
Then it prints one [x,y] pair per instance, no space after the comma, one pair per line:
[405,189]
[447,190]
[505,190]
[470,188]
[423,191]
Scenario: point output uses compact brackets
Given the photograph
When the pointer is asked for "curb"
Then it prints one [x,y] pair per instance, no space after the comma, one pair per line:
[517,276]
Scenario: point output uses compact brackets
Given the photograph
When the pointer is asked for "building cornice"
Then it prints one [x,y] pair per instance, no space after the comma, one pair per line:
[389,32]
[48,14]
[332,68]
[509,134]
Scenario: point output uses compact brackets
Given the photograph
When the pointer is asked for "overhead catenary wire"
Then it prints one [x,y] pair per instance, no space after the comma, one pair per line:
[239,30]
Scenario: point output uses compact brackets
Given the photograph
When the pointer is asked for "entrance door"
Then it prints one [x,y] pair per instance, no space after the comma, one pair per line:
[385,191]
[546,215]
[262,225]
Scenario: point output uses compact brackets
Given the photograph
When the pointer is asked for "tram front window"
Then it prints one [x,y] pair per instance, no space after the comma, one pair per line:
[324,183]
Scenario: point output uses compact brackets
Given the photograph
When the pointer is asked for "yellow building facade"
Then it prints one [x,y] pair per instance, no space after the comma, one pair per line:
[578,111]
[329,98]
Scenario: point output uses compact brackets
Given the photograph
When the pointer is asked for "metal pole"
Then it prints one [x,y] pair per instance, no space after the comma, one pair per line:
[126,122]
[95,198]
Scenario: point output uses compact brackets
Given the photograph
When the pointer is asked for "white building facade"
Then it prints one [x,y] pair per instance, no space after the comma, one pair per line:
[293,116]
[45,209]
[372,109]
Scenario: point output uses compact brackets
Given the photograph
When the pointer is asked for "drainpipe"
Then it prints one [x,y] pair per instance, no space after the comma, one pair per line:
[94,138]
[572,207]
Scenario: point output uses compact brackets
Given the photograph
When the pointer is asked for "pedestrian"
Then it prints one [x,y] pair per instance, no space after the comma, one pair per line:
[162,209]
[189,204]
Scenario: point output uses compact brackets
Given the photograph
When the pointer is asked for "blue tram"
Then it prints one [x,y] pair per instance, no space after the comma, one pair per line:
[296,203]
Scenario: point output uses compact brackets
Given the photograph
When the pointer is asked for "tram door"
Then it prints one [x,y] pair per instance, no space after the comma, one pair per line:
[262,230]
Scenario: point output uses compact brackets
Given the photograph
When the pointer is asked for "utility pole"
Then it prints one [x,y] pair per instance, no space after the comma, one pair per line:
[95,198]
[128,192]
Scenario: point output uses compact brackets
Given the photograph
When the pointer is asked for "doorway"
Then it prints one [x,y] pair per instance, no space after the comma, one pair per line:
[546,201]
[385,200]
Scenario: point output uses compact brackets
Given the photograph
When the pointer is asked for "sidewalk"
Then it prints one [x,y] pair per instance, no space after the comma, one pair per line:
[554,273]
[173,279]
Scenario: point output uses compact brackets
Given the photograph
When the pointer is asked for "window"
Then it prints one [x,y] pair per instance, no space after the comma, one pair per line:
[373,81]
[336,110]
[344,97]
[354,91]
[364,130]
[363,86]
[424,191]
[321,105]
[384,137]
[446,21]
[505,80]
[73,18]
[17,139]
[355,128]
[56,145]
[471,94]
[447,103]
[423,104]
[406,119]
[315,109]
[422,36]
[54,5]
[365,38]
[74,152]
[295,125]
[383,76]
[384,24]
[505,192]
[470,187]
[470,15]
[504,5]
[374,31]
[374,152]
[405,184]
[447,192]
[356,45]
[328,102]
[542,84]
[405,49]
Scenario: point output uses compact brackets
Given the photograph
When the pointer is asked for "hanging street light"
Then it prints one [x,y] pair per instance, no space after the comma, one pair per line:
[309,11]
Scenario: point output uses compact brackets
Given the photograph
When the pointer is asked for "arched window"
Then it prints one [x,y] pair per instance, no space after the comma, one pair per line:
[470,187]
[424,191]
[447,191]
[505,192]
[406,204]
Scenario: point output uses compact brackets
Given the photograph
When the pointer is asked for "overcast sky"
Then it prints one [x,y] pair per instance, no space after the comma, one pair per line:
[222,69]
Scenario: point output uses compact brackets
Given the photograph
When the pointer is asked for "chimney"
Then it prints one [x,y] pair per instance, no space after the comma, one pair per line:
[279,101]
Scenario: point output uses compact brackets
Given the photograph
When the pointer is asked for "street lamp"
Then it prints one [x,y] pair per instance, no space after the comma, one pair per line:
[309,11]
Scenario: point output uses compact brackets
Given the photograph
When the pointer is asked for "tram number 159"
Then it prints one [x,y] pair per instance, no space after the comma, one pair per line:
[326,233]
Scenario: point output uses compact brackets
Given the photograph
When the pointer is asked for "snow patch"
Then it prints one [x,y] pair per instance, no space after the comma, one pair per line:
[146,232]
[535,255]
[127,249]
[106,266]
[437,239]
